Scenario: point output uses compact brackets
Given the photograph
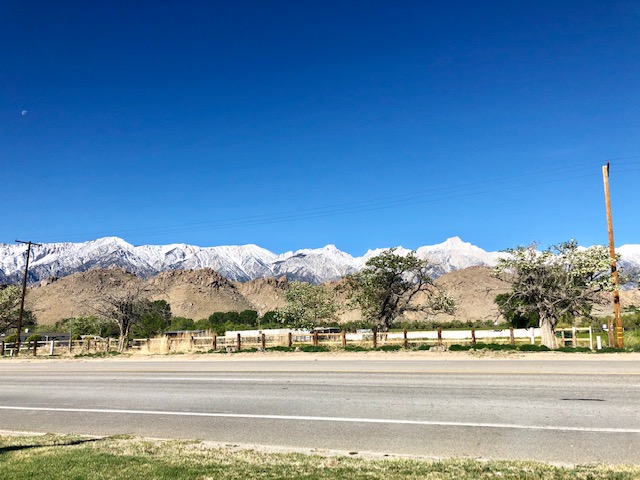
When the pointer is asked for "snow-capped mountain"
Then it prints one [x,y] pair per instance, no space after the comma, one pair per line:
[239,263]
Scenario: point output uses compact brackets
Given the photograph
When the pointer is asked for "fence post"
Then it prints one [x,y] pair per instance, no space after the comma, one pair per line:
[533,335]
[2,348]
[239,342]
[512,338]
[214,342]
[315,338]
[70,344]
[344,338]
[574,338]
[35,347]
[264,341]
[473,337]
[51,347]
[405,338]
[289,340]
[439,336]
[590,338]
[88,344]
[375,337]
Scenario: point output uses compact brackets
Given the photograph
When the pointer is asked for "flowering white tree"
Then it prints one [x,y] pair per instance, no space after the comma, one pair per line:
[560,281]
[307,305]
[9,303]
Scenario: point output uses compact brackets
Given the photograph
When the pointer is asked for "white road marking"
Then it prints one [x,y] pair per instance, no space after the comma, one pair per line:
[205,379]
[326,419]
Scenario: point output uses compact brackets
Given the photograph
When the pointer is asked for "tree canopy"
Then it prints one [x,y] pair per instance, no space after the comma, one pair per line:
[390,285]
[9,305]
[561,281]
[307,305]
[125,306]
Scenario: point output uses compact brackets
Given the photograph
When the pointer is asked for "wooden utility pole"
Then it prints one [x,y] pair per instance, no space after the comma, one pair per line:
[619,341]
[24,292]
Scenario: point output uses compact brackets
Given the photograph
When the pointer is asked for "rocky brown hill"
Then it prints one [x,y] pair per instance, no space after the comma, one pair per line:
[198,293]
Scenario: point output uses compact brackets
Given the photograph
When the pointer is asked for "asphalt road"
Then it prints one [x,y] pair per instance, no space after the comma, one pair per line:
[571,411]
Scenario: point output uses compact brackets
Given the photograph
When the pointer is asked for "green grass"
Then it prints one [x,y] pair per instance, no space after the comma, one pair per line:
[246,350]
[313,348]
[459,348]
[388,348]
[112,353]
[356,348]
[533,348]
[494,346]
[280,348]
[632,339]
[66,457]
[574,349]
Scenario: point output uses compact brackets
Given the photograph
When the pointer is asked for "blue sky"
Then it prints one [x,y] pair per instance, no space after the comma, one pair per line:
[298,124]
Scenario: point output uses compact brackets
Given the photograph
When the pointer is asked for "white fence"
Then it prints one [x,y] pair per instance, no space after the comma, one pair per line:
[262,339]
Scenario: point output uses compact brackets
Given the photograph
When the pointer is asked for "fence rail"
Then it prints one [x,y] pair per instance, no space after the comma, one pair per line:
[262,340]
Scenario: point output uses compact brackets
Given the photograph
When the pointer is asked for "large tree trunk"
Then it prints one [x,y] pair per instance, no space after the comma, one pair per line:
[121,343]
[547,333]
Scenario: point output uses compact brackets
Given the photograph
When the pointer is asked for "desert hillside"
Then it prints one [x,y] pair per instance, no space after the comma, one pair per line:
[198,293]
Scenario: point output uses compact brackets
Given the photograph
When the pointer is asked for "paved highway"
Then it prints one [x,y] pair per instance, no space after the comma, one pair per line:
[554,409]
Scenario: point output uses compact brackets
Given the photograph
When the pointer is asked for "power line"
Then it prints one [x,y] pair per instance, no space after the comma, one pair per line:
[431,195]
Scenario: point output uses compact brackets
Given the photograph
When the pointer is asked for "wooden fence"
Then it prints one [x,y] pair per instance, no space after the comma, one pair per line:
[263,340]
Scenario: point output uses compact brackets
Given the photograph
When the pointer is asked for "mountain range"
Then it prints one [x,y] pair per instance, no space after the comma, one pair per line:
[238,263]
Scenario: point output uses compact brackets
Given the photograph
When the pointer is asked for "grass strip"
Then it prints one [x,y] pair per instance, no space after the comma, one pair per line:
[120,457]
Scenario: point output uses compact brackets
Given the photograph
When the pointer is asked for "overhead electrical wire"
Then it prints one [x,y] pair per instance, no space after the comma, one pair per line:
[431,195]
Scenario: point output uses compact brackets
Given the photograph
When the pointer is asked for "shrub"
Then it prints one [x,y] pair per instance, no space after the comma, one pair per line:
[388,348]
[10,338]
[33,338]
[280,348]
[246,350]
[573,349]
[459,348]
[494,346]
[533,348]
[355,348]
[313,348]
[610,350]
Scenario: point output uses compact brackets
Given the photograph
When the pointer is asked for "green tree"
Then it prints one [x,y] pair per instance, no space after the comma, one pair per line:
[556,283]
[154,321]
[249,317]
[9,306]
[513,315]
[269,318]
[216,318]
[391,284]
[90,325]
[182,323]
[307,305]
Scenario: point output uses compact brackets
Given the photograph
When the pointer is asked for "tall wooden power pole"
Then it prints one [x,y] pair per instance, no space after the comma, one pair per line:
[619,341]
[24,292]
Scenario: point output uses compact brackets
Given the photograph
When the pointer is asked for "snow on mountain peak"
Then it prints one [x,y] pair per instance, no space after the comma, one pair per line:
[236,262]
